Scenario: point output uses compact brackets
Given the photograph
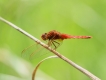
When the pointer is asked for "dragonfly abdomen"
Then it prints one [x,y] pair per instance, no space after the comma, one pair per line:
[65,36]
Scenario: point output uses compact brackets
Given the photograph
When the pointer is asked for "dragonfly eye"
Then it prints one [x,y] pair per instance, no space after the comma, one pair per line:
[44,36]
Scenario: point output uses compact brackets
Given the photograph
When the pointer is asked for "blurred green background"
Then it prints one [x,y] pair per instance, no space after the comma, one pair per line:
[75,17]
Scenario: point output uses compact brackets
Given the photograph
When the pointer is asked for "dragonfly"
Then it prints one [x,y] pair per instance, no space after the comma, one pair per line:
[55,38]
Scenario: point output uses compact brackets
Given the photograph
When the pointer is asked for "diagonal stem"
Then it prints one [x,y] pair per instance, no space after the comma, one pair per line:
[86,72]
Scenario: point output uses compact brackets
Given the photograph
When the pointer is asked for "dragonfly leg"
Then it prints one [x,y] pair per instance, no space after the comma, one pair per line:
[49,43]
[55,45]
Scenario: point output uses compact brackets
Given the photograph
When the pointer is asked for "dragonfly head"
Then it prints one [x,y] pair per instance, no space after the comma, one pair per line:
[44,36]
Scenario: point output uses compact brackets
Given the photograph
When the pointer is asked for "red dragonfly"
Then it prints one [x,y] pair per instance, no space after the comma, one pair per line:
[54,35]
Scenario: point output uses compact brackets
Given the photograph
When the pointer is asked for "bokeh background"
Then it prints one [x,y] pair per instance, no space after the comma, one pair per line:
[75,17]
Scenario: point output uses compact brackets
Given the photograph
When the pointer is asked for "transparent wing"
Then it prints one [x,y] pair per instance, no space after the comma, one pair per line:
[34,51]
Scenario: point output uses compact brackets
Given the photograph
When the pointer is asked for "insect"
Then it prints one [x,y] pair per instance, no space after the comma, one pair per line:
[54,38]
[54,35]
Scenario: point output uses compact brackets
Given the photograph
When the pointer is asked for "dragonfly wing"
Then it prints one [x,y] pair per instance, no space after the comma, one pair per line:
[34,51]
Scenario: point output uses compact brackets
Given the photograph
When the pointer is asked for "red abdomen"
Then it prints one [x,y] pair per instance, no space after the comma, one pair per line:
[66,36]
